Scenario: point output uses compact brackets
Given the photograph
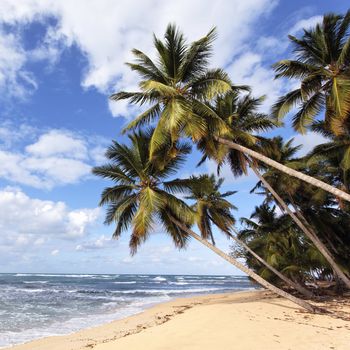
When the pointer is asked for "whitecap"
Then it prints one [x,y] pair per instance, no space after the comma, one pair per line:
[159,279]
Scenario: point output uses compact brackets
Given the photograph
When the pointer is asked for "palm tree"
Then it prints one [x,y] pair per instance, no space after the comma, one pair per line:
[332,224]
[176,88]
[333,154]
[322,64]
[138,199]
[289,188]
[240,113]
[141,197]
[212,208]
[280,243]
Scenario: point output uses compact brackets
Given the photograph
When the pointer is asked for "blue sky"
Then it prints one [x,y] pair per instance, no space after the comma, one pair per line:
[59,62]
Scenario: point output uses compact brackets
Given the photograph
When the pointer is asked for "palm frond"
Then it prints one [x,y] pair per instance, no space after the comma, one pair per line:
[146,67]
[210,84]
[115,193]
[293,69]
[308,112]
[144,118]
[285,103]
[113,173]
[197,56]
[139,98]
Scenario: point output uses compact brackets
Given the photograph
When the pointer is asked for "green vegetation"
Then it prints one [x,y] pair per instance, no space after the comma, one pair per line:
[304,249]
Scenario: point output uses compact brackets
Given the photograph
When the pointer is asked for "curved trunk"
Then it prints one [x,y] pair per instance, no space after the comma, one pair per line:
[246,270]
[285,279]
[309,179]
[311,235]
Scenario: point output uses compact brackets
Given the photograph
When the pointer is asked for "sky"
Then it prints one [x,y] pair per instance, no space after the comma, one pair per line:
[59,62]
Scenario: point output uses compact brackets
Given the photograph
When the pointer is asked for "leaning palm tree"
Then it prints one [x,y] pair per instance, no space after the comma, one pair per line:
[278,241]
[334,154]
[283,189]
[322,64]
[142,197]
[240,113]
[176,88]
[212,208]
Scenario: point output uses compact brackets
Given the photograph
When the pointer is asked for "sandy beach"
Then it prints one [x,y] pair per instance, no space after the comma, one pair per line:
[244,321]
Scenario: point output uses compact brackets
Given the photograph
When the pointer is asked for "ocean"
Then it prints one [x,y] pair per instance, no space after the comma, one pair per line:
[38,305]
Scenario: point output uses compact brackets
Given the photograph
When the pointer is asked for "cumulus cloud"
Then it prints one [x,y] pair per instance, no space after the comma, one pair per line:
[55,157]
[124,25]
[24,219]
[57,142]
[129,23]
[250,69]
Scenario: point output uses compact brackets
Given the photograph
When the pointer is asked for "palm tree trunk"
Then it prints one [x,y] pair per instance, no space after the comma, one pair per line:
[285,279]
[289,282]
[303,219]
[309,179]
[313,238]
[246,270]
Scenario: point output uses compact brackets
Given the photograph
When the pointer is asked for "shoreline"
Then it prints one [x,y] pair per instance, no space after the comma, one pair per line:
[238,320]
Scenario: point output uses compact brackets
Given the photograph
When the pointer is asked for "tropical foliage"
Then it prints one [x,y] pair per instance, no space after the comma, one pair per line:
[181,97]
[175,87]
[278,241]
[322,64]
[138,199]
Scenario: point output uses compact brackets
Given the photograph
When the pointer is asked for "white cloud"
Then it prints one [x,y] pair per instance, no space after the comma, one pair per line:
[308,141]
[26,220]
[249,69]
[14,79]
[56,170]
[129,23]
[44,173]
[306,23]
[55,157]
[55,252]
[11,135]
[271,44]
[99,243]
[124,25]
[253,66]
[59,143]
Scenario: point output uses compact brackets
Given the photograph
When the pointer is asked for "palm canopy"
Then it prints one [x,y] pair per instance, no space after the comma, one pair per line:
[292,190]
[179,86]
[333,156]
[139,199]
[322,64]
[211,205]
[276,239]
[240,113]
[175,87]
